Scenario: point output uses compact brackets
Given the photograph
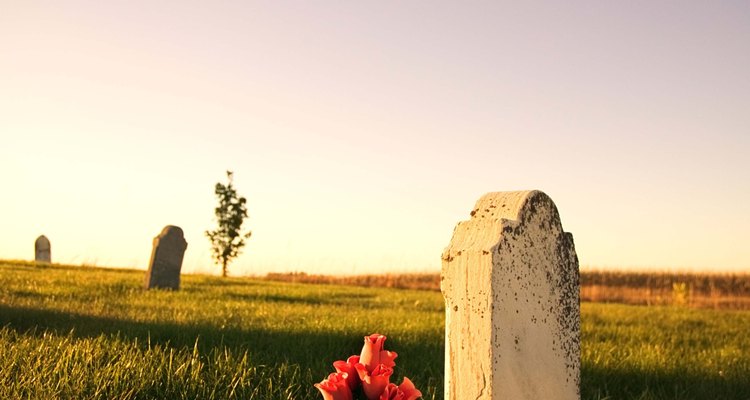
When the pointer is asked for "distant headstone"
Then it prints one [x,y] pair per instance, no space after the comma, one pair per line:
[511,286]
[166,259]
[42,250]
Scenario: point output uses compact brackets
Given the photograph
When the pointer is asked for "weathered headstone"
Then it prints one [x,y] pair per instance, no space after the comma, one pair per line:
[511,286]
[42,250]
[166,259]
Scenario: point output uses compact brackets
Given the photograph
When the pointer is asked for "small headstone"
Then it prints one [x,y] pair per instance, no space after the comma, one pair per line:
[511,286]
[166,259]
[42,250]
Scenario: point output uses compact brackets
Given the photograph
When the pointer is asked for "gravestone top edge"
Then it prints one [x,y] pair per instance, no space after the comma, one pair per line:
[505,205]
[493,214]
[171,230]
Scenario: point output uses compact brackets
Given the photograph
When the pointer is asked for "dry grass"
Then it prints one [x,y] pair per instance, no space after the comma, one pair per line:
[397,281]
[699,290]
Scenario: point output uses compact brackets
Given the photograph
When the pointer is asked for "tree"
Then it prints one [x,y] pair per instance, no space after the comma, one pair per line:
[227,239]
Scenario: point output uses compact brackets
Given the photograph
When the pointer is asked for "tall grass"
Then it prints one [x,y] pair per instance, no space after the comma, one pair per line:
[88,333]
[76,332]
[664,352]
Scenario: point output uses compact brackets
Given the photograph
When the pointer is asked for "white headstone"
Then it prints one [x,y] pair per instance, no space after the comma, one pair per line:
[42,250]
[166,259]
[511,286]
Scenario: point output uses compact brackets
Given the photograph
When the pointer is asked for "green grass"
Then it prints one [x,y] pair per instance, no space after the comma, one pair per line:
[636,352]
[86,333]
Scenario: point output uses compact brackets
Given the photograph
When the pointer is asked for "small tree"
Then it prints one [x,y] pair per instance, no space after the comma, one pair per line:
[227,240]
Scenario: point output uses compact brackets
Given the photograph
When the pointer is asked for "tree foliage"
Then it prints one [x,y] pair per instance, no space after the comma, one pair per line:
[227,240]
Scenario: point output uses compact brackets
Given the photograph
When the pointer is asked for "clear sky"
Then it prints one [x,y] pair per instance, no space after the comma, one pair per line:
[362,132]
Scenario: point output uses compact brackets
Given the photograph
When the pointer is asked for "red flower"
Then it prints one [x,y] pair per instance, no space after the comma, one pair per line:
[373,383]
[371,370]
[348,367]
[334,387]
[373,354]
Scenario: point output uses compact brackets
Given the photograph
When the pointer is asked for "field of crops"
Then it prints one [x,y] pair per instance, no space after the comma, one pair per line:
[701,290]
[87,333]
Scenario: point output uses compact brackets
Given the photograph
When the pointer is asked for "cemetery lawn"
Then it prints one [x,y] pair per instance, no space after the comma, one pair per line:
[89,333]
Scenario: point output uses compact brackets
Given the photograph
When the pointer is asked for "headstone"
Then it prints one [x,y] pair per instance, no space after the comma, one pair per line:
[511,286]
[166,259]
[42,250]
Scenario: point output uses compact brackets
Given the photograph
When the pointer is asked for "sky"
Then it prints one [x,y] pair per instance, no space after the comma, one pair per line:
[362,132]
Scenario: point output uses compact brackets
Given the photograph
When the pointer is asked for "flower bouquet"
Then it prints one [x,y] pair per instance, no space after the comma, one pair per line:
[367,376]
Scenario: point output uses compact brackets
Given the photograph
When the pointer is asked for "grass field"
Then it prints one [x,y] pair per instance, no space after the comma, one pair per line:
[86,333]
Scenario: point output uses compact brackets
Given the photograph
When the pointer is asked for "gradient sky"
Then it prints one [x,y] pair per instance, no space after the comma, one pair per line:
[362,132]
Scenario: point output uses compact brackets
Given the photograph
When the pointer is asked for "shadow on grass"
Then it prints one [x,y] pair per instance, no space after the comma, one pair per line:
[210,283]
[338,299]
[600,383]
[274,346]
[315,351]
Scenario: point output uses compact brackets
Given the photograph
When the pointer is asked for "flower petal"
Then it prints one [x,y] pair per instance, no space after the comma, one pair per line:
[387,357]
[348,367]
[390,392]
[409,390]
